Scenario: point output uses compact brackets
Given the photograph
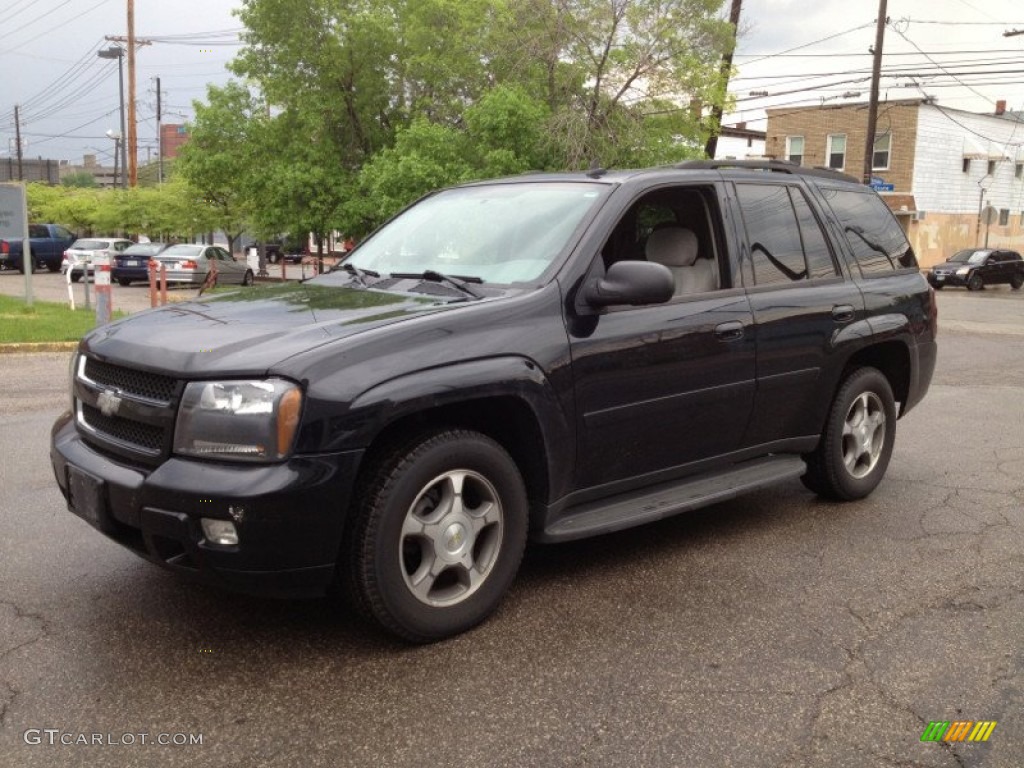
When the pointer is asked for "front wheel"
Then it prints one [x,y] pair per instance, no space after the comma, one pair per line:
[439,535]
[855,447]
[975,283]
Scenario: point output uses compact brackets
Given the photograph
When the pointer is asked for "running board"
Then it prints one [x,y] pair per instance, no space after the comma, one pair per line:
[667,499]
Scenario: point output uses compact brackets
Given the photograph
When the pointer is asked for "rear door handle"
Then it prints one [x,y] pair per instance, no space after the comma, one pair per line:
[731,331]
[842,313]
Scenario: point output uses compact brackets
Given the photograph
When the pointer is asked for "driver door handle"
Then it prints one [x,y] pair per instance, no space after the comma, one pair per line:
[731,331]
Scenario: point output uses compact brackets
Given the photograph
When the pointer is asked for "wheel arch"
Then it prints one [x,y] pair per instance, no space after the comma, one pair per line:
[892,358]
[508,400]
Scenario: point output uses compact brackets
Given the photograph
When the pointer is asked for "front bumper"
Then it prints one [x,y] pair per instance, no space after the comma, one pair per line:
[289,530]
[938,280]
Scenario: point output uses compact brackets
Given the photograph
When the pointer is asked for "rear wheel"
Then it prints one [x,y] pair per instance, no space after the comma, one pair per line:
[439,535]
[855,447]
[124,282]
[76,276]
[248,279]
[1016,281]
[53,267]
[975,283]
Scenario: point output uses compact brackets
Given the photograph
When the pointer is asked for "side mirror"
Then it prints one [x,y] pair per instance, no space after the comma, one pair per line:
[631,282]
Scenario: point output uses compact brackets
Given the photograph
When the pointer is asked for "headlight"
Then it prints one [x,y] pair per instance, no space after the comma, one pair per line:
[963,271]
[72,370]
[238,420]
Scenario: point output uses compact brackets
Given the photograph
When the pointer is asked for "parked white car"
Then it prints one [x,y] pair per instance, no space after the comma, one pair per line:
[79,256]
[191,264]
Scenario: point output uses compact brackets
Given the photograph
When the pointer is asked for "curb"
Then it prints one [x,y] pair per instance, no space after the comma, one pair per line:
[38,346]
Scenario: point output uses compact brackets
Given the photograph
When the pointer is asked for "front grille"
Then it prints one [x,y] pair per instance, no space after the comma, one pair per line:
[151,386]
[148,437]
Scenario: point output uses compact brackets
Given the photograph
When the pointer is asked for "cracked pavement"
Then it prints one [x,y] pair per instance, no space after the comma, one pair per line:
[773,630]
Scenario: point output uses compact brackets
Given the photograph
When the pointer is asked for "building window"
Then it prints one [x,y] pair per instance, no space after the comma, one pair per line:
[837,151]
[967,165]
[1004,217]
[991,167]
[880,153]
[795,149]
[1018,170]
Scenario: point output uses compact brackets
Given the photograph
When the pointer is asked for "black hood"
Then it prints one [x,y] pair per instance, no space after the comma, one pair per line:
[249,330]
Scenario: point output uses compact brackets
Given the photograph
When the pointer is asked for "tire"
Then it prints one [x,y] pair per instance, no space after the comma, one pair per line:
[975,283]
[937,286]
[53,267]
[856,444]
[75,278]
[124,282]
[248,279]
[428,561]
[1016,281]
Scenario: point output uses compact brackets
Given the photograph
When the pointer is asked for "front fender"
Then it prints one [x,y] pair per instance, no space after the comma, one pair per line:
[472,381]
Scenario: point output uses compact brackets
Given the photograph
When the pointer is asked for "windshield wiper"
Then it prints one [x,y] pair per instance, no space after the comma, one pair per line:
[357,273]
[459,283]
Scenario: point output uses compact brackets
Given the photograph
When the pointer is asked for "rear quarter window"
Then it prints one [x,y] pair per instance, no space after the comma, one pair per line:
[875,237]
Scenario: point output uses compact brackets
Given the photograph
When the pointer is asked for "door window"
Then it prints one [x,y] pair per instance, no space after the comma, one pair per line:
[872,232]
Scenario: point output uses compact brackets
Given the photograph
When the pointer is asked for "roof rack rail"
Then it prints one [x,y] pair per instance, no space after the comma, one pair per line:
[777,166]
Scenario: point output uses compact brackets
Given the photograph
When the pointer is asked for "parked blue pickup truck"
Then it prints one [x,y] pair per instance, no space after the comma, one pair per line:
[48,243]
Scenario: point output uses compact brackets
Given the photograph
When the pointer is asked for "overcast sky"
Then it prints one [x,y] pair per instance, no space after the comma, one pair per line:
[49,65]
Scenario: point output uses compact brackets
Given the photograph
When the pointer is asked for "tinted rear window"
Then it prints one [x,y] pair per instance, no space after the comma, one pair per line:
[88,245]
[875,237]
[143,249]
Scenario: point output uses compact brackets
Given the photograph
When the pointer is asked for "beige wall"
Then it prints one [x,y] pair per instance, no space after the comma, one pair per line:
[816,123]
[940,235]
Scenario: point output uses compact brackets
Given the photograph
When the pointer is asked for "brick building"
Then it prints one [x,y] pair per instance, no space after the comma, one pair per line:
[938,168]
[172,137]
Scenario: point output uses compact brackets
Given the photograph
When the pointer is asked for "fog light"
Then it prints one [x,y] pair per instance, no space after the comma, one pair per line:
[220,532]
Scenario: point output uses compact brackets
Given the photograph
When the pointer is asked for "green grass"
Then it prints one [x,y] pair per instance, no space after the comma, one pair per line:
[44,321]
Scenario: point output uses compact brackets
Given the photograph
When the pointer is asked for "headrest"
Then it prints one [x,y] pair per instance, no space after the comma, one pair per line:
[672,246]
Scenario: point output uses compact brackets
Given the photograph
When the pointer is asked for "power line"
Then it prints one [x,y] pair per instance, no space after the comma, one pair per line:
[808,45]
[26,5]
[50,30]
[40,17]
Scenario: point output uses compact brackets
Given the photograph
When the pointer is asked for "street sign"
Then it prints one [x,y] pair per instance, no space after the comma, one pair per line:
[14,226]
[880,186]
[989,215]
[12,212]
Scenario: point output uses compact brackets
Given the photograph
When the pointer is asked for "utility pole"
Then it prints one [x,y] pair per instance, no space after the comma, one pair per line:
[159,138]
[716,111]
[133,137]
[876,75]
[17,141]
[131,42]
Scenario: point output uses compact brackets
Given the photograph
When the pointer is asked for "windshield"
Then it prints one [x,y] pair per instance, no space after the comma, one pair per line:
[184,250]
[500,233]
[969,257]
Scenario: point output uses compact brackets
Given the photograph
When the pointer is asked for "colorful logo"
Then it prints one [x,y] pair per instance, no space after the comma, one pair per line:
[960,730]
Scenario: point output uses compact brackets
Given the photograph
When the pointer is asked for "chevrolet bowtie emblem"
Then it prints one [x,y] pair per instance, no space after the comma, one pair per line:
[108,402]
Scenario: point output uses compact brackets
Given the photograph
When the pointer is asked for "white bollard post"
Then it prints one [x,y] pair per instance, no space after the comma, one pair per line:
[104,302]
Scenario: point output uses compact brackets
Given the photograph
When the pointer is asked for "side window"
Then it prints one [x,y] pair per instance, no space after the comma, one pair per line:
[773,233]
[38,230]
[819,256]
[678,227]
[875,237]
[64,234]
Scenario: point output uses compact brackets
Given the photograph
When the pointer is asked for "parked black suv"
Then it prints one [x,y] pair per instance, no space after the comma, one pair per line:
[978,267]
[554,356]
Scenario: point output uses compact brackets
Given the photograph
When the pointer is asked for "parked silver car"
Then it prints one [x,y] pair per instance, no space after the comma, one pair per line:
[191,264]
[80,254]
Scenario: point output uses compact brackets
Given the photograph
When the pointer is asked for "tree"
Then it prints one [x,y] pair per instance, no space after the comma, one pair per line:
[219,162]
[80,179]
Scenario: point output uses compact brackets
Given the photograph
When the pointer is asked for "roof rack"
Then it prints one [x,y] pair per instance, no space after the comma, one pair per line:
[776,166]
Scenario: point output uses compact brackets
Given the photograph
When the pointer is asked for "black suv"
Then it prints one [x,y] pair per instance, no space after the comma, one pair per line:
[978,267]
[553,356]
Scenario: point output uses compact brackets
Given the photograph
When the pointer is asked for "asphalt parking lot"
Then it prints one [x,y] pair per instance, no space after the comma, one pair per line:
[772,630]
